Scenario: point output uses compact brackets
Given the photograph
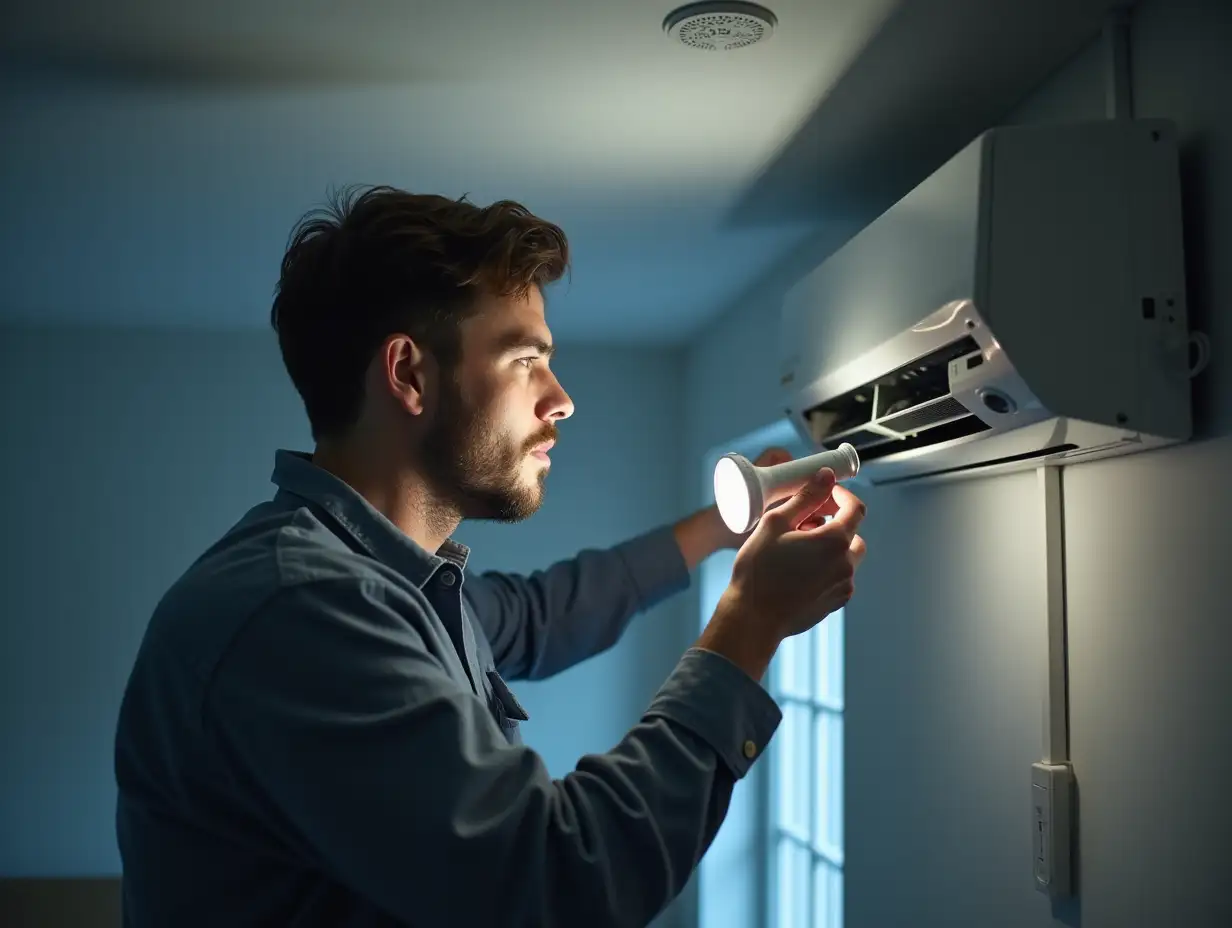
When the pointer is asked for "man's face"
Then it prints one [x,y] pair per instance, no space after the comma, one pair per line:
[496,420]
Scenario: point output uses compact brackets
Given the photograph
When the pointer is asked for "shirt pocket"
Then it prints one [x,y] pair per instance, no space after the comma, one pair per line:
[505,705]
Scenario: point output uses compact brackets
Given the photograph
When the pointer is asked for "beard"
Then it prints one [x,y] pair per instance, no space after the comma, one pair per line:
[476,465]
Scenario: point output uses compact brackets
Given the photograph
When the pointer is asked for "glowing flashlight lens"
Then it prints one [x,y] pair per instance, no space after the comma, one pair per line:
[731,495]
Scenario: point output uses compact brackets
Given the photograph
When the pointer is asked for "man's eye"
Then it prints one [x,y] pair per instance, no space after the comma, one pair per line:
[527,362]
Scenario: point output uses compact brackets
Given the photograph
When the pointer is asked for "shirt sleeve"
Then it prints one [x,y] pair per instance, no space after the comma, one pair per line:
[545,622]
[386,773]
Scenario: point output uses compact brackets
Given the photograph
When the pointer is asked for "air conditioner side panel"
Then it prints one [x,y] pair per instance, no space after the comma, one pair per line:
[1083,226]
[1158,261]
[916,257]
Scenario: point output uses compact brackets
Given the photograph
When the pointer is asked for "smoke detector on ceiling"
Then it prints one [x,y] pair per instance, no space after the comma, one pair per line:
[720,25]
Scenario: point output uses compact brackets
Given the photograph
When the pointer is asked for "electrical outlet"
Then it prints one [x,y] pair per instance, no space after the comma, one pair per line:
[1051,800]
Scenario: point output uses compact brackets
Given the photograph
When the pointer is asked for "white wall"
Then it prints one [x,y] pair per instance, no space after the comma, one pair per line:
[945,650]
[945,638]
[127,452]
[945,662]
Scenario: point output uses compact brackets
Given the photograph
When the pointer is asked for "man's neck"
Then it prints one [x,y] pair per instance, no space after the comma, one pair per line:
[396,490]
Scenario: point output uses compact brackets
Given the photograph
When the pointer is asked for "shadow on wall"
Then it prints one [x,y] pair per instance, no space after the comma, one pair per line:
[892,120]
[733,367]
[1196,170]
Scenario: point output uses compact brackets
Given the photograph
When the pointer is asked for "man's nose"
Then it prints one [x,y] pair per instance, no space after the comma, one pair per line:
[556,403]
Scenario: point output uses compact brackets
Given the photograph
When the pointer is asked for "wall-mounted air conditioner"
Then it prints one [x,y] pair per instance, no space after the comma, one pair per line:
[1023,305]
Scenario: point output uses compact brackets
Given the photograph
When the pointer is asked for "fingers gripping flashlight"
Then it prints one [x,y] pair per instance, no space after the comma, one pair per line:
[743,490]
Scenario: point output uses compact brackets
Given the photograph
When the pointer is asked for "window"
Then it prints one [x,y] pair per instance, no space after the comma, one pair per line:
[800,819]
[806,781]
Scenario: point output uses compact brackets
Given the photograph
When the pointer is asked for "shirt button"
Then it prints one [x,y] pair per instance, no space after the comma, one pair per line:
[448,578]
[750,750]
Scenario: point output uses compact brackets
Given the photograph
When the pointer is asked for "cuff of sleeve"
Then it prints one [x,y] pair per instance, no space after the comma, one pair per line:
[722,705]
[656,564]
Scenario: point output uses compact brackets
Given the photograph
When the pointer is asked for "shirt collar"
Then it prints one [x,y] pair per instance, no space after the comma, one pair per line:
[296,474]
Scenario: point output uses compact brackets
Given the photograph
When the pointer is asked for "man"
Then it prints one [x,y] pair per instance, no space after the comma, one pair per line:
[318,729]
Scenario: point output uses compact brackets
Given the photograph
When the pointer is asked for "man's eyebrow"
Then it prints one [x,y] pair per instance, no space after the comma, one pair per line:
[520,341]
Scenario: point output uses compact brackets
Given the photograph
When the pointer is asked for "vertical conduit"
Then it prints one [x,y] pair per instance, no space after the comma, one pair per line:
[1056,694]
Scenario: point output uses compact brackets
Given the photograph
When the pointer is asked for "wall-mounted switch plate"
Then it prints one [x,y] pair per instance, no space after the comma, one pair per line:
[1051,807]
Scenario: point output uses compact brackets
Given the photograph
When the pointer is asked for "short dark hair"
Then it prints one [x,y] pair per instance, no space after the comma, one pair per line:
[379,261]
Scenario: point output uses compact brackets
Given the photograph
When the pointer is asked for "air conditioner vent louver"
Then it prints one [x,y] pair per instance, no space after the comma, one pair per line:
[863,439]
[925,416]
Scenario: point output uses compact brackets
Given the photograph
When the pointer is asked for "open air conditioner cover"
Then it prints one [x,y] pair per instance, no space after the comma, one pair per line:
[1025,304]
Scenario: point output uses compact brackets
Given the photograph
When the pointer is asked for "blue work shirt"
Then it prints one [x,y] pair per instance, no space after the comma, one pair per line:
[317,731]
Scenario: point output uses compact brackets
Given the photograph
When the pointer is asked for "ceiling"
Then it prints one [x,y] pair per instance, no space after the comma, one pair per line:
[155,159]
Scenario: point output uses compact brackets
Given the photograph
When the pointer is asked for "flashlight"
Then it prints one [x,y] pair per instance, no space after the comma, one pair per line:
[743,491]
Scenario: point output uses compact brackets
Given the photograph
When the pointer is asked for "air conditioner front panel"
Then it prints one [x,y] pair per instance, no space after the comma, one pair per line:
[1041,266]
[917,257]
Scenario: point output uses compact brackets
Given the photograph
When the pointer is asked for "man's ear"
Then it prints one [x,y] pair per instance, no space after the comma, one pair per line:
[407,373]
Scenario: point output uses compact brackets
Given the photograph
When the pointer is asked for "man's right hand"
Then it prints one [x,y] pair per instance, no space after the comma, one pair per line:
[791,572]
